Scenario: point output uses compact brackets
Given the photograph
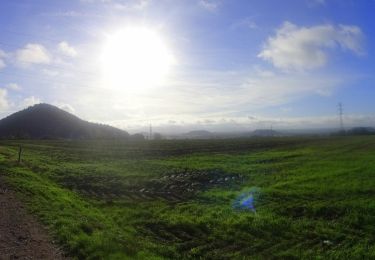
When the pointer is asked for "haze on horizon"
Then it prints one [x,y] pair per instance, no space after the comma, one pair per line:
[218,65]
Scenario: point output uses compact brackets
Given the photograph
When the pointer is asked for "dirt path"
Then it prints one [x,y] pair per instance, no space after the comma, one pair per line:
[21,236]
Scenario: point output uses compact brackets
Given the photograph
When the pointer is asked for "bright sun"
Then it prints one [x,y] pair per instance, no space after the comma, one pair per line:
[135,58]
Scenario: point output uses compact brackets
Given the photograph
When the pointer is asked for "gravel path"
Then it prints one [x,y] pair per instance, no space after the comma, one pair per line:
[21,236]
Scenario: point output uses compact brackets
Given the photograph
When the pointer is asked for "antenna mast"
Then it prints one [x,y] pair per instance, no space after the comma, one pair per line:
[341,113]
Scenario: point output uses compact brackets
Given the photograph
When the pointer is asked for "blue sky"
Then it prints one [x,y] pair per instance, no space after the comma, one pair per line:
[236,65]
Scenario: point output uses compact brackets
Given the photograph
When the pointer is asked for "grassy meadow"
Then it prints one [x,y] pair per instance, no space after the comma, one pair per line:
[168,199]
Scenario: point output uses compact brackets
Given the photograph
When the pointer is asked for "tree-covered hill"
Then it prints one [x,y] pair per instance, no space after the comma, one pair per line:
[44,121]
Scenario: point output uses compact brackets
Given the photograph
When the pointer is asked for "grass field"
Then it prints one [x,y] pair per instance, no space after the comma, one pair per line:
[216,199]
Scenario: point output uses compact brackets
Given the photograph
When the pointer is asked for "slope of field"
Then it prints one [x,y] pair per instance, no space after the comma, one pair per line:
[219,199]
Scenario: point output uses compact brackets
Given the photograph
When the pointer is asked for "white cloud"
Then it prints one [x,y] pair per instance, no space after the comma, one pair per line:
[66,107]
[209,94]
[33,53]
[313,3]
[66,49]
[2,62]
[255,90]
[280,88]
[301,48]
[210,5]
[129,5]
[29,101]
[219,100]
[4,104]
[50,72]
[247,22]
[13,86]
[66,14]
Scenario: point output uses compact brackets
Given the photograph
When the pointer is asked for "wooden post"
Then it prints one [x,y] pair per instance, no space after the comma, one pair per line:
[19,154]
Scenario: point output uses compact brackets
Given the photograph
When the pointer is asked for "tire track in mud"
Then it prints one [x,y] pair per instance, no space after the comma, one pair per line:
[174,186]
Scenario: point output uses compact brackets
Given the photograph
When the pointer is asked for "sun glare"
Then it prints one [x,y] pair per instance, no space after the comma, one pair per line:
[135,59]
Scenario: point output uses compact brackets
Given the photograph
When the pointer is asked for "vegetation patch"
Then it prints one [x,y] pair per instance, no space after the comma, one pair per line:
[271,198]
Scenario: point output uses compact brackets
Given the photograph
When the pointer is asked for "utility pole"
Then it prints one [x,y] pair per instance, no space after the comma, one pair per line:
[150,134]
[341,113]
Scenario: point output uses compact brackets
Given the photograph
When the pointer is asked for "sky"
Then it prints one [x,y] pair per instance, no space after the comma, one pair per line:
[181,65]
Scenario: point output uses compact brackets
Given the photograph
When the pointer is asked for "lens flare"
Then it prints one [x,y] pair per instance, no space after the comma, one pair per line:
[247,199]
